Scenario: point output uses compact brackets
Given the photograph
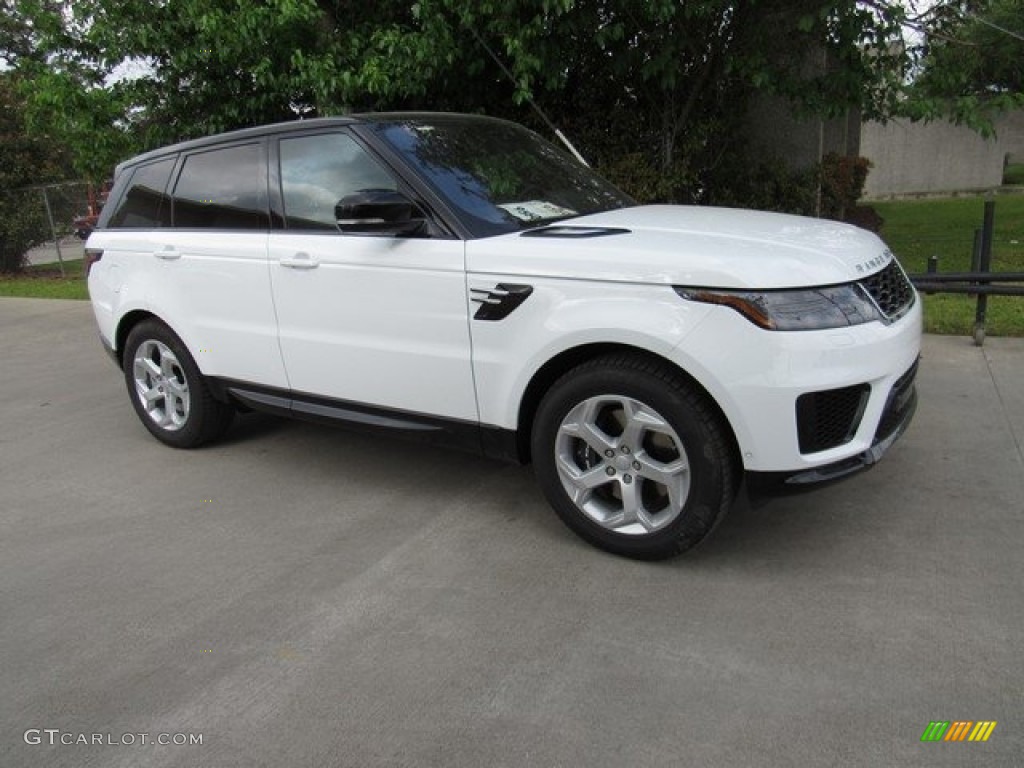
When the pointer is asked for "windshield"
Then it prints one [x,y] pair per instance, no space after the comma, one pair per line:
[499,176]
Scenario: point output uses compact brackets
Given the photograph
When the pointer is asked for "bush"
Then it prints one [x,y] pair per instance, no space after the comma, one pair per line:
[643,180]
[23,224]
[842,184]
[767,185]
[25,159]
[771,185]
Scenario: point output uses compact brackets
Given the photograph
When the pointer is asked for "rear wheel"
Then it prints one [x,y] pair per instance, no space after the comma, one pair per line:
[632,458]
[167,390]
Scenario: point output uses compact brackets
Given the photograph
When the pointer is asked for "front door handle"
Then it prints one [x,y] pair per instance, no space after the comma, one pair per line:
[299,261]
[170,253]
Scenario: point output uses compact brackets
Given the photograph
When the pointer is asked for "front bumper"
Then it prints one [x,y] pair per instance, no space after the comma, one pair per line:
[807,406]
[899,412]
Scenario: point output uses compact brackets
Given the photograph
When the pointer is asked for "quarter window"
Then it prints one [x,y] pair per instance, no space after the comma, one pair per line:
[222,189]
[317,171]
[144,203]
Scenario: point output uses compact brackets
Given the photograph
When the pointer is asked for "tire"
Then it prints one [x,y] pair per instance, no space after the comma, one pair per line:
[632,457]
[167,390]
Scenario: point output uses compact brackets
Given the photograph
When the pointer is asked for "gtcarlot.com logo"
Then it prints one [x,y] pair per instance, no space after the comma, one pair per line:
[55,736]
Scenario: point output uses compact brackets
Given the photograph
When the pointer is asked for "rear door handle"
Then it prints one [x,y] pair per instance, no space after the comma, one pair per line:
[168,254]
[299,261]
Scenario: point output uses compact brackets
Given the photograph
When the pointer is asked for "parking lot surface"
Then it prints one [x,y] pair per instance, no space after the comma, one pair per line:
[303,596]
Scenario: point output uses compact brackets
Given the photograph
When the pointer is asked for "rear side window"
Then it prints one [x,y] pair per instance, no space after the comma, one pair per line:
[222,189]
[318,170]
[144,203]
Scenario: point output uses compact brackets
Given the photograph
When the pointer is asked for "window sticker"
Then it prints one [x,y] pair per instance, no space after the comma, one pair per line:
[536,210]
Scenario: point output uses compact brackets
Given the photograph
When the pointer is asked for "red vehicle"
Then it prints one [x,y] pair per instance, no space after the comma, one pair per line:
[85,224]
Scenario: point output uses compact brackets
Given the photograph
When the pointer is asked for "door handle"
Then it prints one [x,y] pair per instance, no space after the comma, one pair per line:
[168,254]
[299,261]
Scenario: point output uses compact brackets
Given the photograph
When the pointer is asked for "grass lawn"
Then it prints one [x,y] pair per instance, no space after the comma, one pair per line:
[44,282]
[917,229]
[1014,174]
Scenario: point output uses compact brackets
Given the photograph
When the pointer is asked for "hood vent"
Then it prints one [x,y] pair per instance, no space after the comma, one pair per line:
[575,232]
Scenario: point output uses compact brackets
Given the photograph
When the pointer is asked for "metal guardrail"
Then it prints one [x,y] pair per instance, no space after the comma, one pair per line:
[980,282]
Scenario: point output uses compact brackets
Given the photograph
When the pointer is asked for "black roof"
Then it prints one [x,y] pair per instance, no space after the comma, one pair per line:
[290,125]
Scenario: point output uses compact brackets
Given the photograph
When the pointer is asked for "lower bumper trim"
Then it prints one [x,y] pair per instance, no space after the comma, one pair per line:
[772,483]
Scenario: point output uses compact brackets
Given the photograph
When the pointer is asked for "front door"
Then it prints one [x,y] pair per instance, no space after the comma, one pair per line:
[381,321]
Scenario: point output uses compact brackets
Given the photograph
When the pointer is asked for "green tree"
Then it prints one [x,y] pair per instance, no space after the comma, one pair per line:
[18,39]
[656,91]
[26,158]
[652,90]
[974,70]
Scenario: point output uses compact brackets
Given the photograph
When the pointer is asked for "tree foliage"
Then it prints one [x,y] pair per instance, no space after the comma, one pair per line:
[18,40]
[651,90]
[976,68]
[26,158]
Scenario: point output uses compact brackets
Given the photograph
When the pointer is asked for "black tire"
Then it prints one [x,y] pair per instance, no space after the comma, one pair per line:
[186,415]
[703,476]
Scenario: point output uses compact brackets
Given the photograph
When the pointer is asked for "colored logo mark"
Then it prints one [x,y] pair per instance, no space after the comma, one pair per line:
[958,730]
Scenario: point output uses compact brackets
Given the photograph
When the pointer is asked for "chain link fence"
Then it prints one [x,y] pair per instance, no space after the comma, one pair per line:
[38,224]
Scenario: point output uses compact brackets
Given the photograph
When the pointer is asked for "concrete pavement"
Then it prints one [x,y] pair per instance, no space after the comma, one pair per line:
[304,596]
[71,248]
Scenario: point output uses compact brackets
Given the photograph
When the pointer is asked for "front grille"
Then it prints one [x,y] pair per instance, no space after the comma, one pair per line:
[901,400]
[829,418]
[890,290]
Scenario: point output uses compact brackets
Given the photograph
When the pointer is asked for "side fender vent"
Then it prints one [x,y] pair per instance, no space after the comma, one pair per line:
[499,302]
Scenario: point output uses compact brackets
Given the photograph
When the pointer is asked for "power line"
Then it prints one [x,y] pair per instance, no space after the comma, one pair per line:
[988,23]
[529,99]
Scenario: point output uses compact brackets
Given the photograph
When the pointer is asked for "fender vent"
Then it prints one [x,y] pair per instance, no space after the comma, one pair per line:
[499,302]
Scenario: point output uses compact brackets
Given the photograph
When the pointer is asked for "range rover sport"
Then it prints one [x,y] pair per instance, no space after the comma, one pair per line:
[458,279]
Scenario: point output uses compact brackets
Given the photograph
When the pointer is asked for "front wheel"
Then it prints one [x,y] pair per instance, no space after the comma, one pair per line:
[632,458]
[167,390]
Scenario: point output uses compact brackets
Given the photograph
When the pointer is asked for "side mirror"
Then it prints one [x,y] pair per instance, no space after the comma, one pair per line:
[379,212]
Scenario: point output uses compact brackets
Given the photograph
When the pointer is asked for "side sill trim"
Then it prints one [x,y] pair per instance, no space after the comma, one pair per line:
[338,413]
[481,439]
[260,401]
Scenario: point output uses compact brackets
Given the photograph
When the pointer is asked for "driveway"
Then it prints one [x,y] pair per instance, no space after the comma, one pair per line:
[305,596]
[71,248]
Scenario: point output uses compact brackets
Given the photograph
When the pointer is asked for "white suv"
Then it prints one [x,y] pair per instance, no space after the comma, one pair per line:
[460,280]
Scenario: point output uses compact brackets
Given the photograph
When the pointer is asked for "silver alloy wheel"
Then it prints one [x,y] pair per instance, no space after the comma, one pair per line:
[622,464]
[161,385]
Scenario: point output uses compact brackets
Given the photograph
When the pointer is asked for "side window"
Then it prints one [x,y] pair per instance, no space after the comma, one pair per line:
[222,189]
[144,203]
[317,171]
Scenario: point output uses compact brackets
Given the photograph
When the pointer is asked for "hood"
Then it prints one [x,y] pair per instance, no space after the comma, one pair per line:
[687,245]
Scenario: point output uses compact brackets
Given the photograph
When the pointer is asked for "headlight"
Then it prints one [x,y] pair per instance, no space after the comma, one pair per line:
[803,309]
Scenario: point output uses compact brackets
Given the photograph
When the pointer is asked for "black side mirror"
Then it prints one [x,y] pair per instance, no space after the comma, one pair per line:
[379,212]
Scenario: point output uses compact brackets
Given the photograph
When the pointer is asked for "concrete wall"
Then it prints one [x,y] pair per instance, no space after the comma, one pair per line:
[907,158]
[929,158]
[1010,132]
[773,131]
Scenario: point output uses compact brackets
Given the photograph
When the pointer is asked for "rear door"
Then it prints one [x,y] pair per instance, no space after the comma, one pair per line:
[215,281]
